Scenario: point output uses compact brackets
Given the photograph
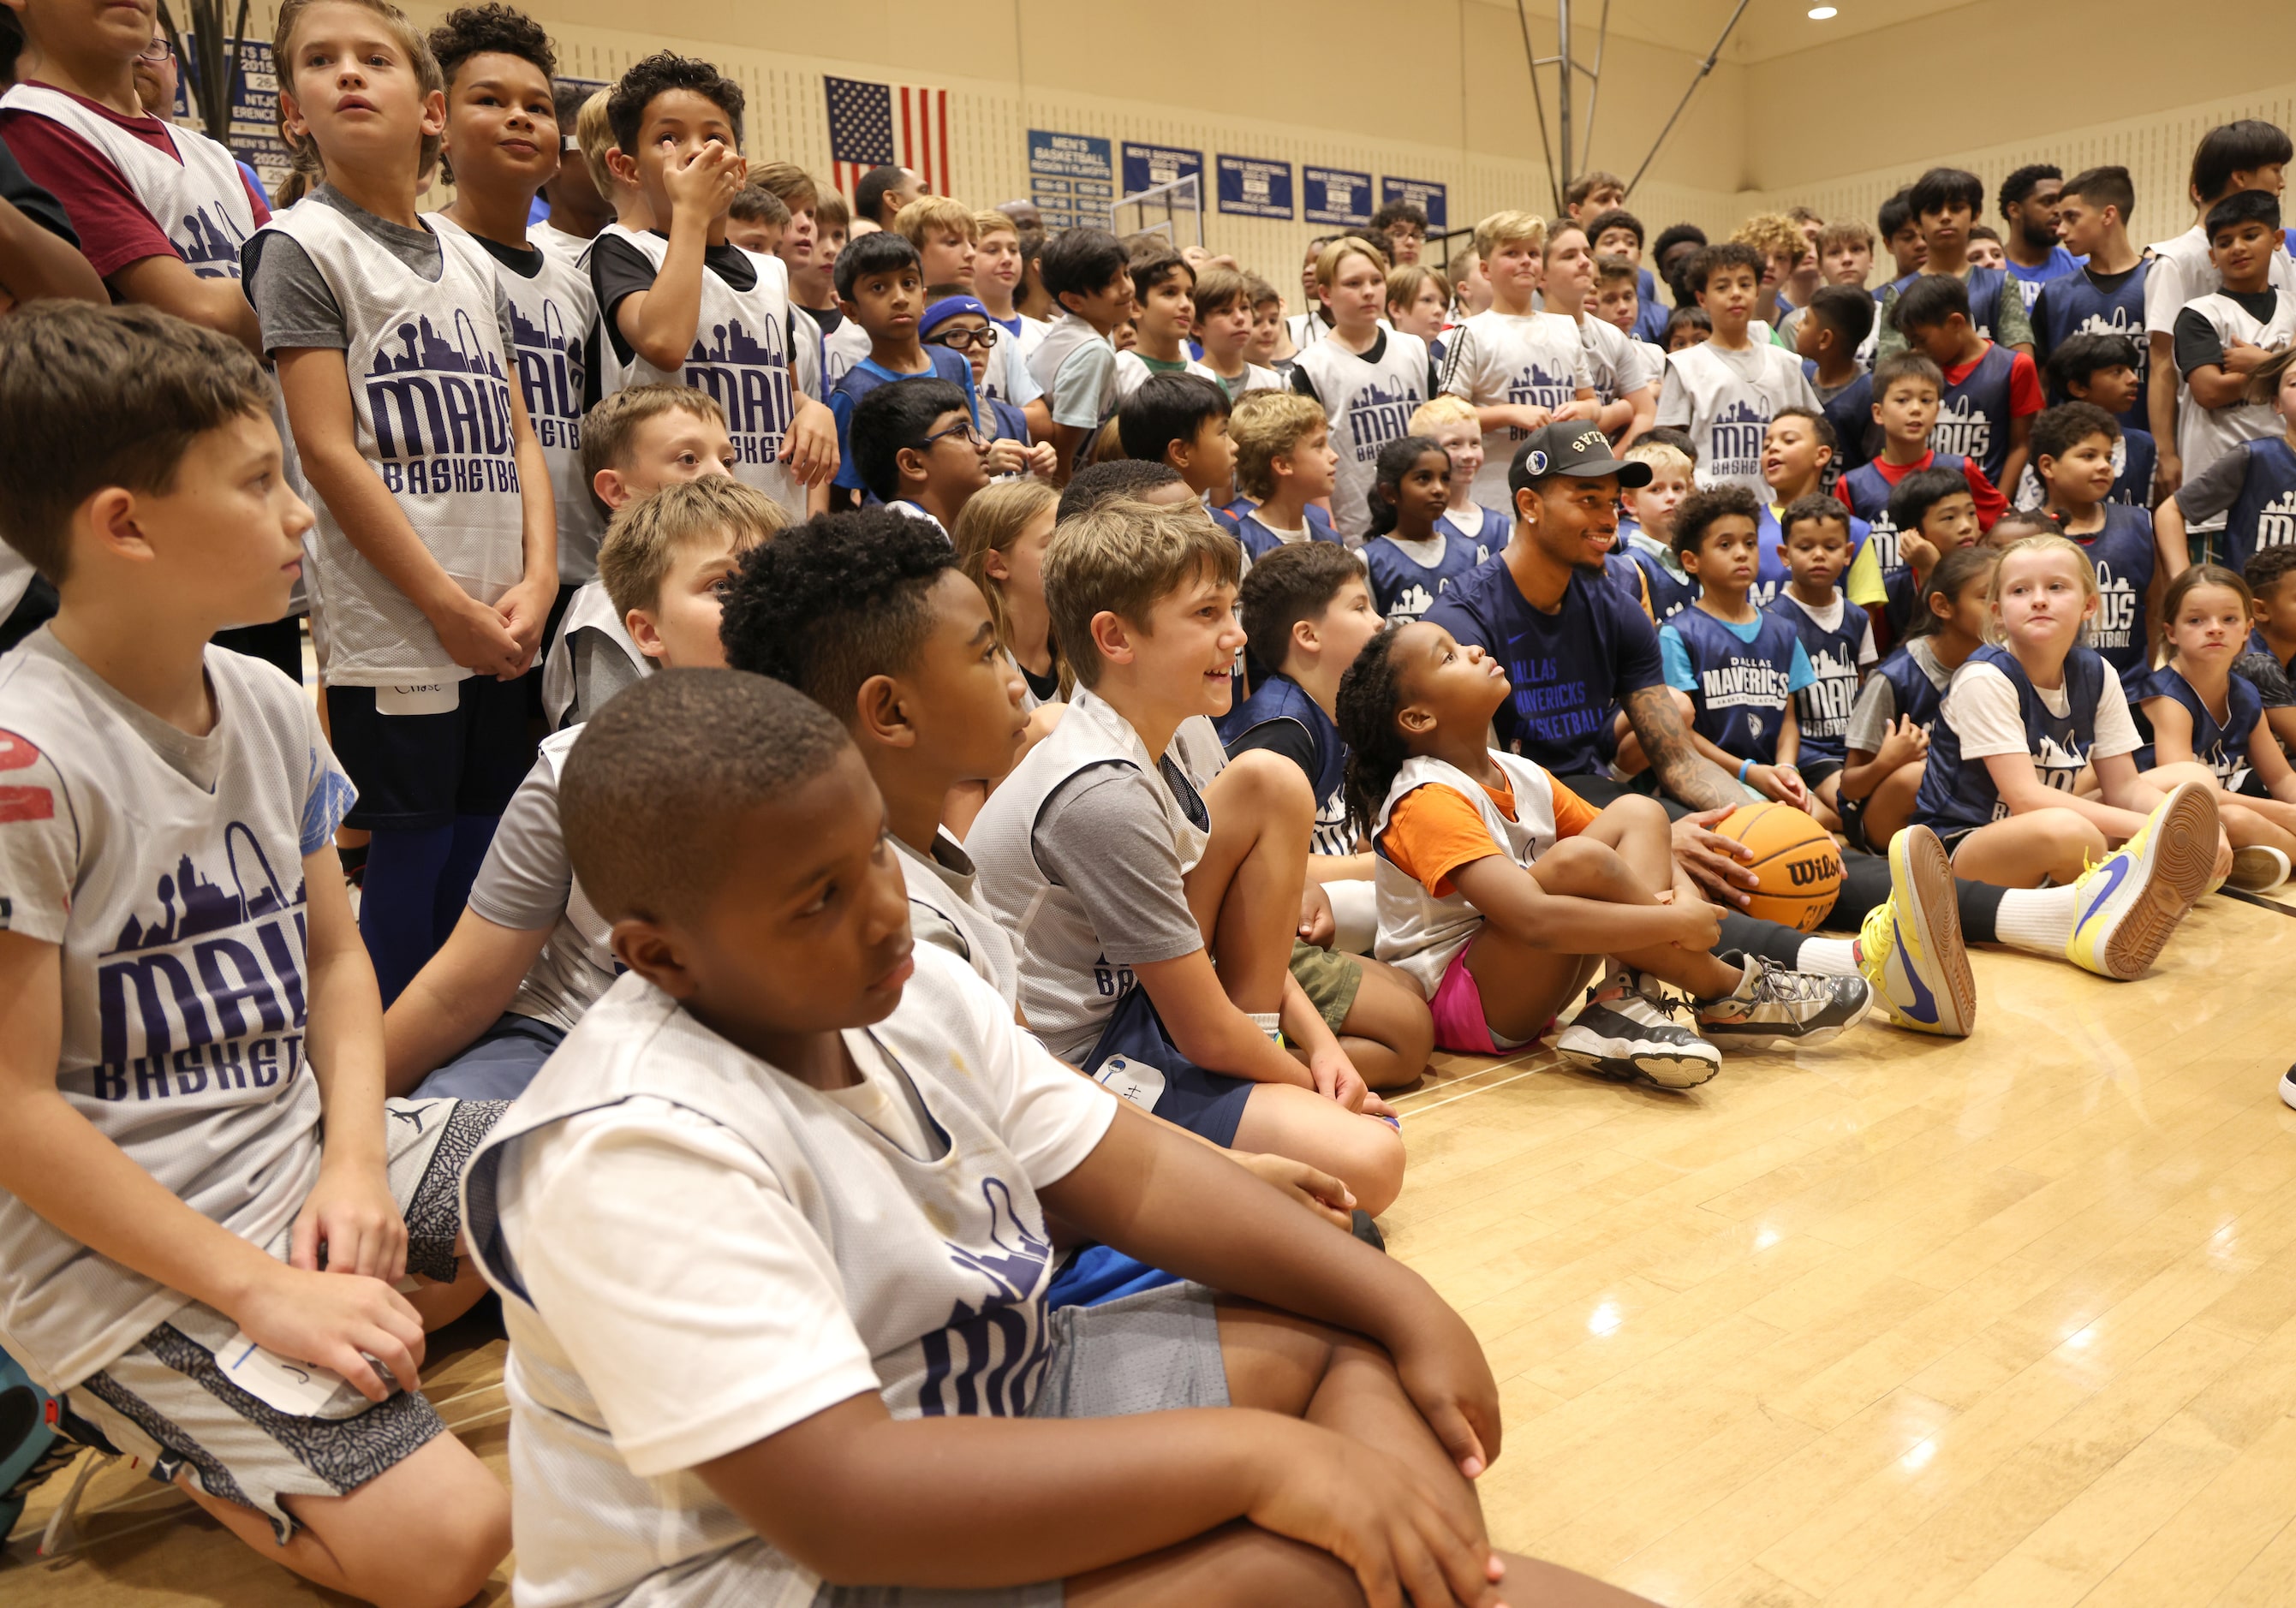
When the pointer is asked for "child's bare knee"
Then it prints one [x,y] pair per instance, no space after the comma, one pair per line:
[1636,812]
[1270,785]
[1375,1164]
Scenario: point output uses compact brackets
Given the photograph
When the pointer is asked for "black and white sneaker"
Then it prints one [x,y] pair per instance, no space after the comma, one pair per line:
[1774,1007]
[1630,1037]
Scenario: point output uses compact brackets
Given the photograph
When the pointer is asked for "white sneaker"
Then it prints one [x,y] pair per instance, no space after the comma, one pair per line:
[2257,869]
[1630,1039]
[2288,1088]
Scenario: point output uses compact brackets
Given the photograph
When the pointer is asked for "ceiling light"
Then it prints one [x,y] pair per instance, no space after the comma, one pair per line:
[1820,13]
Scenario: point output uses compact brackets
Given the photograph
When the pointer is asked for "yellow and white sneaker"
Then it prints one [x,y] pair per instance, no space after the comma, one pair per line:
[1910,947]
[2126,905]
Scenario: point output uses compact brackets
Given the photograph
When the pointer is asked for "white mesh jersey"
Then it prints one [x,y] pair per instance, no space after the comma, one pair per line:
[840,349]
[1523,359]
[589,609]
[200,200]
[1368,401]
[1418,931]
[1726,399]
[169,871]
[1068,989]
[1616,363]
[431,401]
[554,317]
[892,1239]
[2205,434]
[740,356]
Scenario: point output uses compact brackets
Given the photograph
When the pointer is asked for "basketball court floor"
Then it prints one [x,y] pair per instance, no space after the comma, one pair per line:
[1896,1322]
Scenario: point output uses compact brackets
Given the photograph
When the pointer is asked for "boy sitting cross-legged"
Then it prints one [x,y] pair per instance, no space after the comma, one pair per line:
[529,954]
[634,443]
[187,1003]
[850,1129]
[1126,849]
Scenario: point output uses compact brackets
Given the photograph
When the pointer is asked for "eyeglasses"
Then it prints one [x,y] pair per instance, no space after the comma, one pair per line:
[969,434]
[159,50]
[965,340]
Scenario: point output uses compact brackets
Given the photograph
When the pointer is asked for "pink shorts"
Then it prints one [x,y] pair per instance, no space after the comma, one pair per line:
[1457,1007]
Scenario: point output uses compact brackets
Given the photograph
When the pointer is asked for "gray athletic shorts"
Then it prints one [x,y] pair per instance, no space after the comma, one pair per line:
[1153,1353]
[167,1401]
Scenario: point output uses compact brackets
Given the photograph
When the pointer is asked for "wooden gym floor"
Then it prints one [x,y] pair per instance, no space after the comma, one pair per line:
[1895,1322]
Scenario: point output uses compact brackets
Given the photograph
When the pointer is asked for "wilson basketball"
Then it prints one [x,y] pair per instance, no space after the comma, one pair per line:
[1796,858]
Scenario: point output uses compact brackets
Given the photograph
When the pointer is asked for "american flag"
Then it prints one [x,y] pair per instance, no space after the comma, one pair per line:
[876,125]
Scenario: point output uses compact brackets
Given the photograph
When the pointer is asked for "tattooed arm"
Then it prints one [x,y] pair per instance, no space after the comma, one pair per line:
[1682,773]
[1714,863]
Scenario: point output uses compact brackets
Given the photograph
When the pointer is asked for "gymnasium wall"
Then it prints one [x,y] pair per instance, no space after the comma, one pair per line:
[1442,94]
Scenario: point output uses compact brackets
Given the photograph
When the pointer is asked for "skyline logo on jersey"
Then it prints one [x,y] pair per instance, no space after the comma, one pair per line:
[1531,386]
[1377,415]
[552,369]
[1963,428]
[440,411]
[2116,610]
[985,1359]
[2118,323]
[2275,522]
[2061,763]
[206,996]
[1882,537]
[208,241]
[1734,444]
[751,381]
[1824,707]
[1409,604]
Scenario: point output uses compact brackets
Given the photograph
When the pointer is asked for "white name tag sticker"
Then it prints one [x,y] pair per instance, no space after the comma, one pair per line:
[434,698]
[1135,1080]
[300,1388]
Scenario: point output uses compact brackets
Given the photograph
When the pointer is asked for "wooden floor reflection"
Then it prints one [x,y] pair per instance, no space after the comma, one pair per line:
[1900,1322]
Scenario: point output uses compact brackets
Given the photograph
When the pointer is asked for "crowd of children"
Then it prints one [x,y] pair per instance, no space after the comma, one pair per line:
[870,763]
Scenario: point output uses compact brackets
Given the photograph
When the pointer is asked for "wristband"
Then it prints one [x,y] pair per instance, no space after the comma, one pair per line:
[1743,766]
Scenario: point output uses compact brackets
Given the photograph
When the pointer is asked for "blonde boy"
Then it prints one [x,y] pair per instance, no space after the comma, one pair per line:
[1519,368]
[529,954]
[634,443]
[1649,540]
[1283,462]
[1453,425]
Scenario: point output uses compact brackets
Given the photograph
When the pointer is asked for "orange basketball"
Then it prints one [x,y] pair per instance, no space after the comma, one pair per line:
[1796,858]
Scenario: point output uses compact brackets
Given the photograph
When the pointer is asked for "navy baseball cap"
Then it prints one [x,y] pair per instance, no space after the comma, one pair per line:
[1578,448]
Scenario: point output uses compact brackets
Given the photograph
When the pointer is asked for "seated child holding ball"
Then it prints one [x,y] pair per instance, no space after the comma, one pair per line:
[1499,888]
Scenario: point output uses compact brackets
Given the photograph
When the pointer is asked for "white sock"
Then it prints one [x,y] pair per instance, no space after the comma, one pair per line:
[2036,920]
[1270,1023]
[1827,956]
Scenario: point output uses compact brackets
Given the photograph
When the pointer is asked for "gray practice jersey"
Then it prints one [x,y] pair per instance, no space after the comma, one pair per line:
[169,870]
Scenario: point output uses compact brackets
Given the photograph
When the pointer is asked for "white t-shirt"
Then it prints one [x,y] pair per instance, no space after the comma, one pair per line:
[169,870]
[1981,707]
[2181,271]
[695,1285]
[1495,358]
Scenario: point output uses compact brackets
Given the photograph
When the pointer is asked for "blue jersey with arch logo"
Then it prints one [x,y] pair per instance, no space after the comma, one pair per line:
[1739,687]
[2123,555]
[1670,590]
[2075,304]
[2221,745]
[1281,698]
[1958,793]
[1822,709]
[1403,585]
[2264,514]
[1973,414]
